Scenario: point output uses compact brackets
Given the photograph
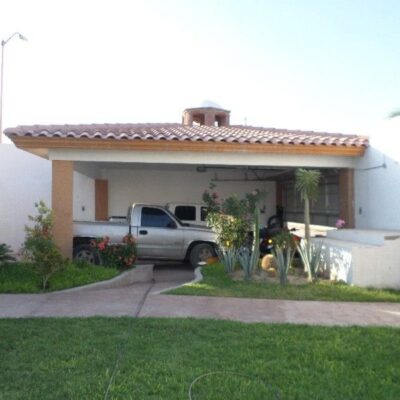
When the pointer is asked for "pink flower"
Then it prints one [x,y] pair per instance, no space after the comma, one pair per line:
[340,223]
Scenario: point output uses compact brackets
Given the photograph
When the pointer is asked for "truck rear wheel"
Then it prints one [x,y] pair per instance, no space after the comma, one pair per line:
[201,253]
[85,253]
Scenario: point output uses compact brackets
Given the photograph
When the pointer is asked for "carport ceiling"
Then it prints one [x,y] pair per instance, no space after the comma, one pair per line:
[250,173]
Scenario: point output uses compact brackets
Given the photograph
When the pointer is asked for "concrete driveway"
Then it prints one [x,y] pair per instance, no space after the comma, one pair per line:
[142,300]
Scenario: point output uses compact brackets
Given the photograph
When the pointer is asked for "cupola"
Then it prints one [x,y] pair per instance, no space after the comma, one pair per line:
[208,114]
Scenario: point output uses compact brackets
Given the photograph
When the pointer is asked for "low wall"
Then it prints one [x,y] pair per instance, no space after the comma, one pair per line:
[363,258]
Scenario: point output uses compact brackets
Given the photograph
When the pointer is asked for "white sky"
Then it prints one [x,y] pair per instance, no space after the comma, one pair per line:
[286,64]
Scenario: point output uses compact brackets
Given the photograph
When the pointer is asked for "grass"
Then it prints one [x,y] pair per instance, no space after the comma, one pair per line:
[74,358]
[217,283]
[21,278]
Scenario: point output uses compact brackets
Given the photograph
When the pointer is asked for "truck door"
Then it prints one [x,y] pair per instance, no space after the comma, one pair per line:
[158,235]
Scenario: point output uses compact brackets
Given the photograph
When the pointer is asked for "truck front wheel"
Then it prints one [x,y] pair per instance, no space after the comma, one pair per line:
[201,253]
[85,253]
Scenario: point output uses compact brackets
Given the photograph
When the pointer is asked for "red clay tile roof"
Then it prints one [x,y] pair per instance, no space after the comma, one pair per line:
[178,132]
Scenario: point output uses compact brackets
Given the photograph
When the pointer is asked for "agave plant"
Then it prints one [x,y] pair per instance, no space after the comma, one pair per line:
[311,256]
[5,253]
[249,260]
[284,258]
[228,257]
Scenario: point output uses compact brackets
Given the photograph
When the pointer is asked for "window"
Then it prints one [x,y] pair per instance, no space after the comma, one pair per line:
[156,218]
[203,213]
[186,213]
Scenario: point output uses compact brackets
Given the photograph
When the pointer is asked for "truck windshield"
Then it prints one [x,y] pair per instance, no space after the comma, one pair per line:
[175,218]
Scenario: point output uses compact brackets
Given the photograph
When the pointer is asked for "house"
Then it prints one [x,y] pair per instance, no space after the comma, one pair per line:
[98,170]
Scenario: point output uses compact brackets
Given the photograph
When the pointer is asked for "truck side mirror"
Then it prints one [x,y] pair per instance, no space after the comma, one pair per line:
[171,225]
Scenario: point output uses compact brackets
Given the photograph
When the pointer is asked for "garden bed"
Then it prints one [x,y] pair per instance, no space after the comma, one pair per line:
[217,283]
[20,277]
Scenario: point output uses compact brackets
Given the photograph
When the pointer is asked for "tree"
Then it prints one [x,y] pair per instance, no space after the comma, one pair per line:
[394,114]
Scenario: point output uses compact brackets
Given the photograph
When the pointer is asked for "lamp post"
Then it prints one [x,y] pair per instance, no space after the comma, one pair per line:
[3,43]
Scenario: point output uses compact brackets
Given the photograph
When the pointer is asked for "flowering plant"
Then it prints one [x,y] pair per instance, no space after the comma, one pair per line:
[39,246]
[340,223]
[117,255]
[231,218]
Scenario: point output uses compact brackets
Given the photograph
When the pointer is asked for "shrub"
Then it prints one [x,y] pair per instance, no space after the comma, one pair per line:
[283,240]
[39,246]
[232,232]
[5,253]
[232,218]
[116,255]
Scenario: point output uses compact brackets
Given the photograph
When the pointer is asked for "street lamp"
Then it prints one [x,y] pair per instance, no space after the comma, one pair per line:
[3,43]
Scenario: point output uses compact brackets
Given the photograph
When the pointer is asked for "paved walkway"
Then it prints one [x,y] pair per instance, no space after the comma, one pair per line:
[141,300]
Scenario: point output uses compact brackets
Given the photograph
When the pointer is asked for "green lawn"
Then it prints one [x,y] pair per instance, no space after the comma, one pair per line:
[20,277]
[217,283]
[159,358]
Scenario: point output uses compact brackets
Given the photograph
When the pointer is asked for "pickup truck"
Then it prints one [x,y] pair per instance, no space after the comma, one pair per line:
[159,235]
[189,213]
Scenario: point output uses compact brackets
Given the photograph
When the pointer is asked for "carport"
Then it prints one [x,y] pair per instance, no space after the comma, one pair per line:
[98,170]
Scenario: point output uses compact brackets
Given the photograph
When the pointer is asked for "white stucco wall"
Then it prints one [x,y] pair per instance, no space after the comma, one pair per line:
[186,185]
[377,181]
[84,200]
[24,180]
[367,258]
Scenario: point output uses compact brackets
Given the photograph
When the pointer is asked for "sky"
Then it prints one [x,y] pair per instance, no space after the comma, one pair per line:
[327,65]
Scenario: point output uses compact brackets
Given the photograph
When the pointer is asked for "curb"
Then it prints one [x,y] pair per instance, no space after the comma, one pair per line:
[140,274]
[198,277]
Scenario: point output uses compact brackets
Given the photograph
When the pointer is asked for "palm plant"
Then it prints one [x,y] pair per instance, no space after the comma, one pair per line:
[307,181]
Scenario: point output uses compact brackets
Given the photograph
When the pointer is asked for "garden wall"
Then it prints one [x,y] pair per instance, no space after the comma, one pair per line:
[26,179]
[364,258]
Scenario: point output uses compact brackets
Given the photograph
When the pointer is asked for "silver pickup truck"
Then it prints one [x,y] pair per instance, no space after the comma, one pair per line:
[159,235]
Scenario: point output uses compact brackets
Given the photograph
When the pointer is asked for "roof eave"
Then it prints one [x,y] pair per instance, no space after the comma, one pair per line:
[41,145]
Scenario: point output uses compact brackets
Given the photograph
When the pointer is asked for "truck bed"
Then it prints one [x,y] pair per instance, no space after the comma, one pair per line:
[114,230]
